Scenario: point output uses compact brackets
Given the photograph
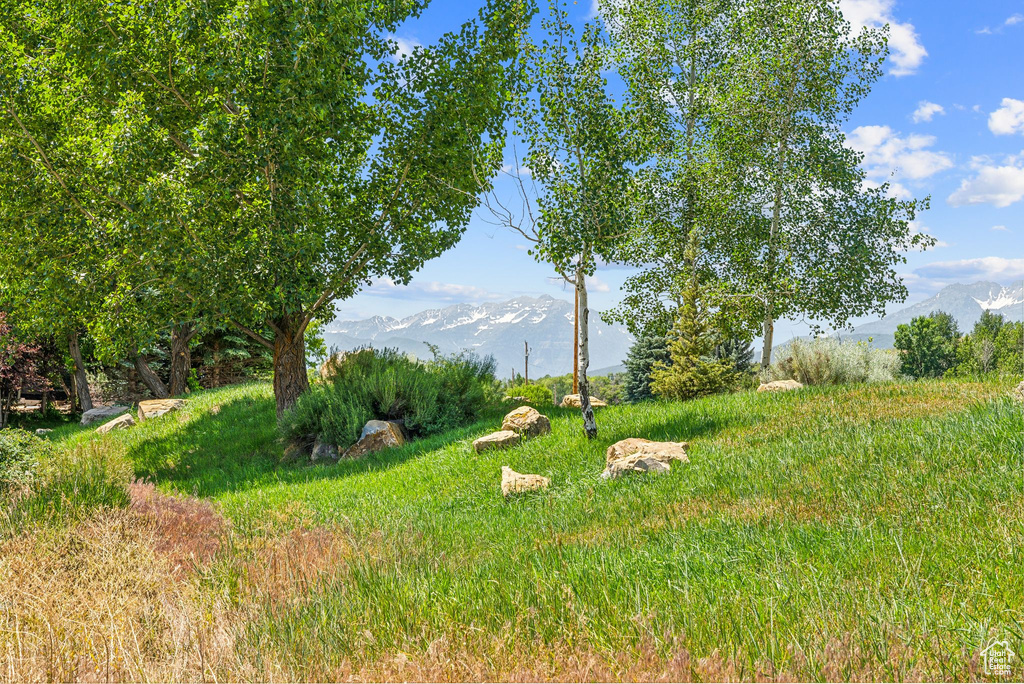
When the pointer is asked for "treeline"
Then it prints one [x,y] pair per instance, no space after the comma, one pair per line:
[932,346]
[171,169]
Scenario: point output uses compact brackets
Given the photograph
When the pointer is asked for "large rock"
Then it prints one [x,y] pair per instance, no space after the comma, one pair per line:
[376,435]
[102,413]
[636,455]
[1020,390]
[122,422]
[153,408]
[527,421]
[779,386]
[573,401]
[496,440]
[517,483]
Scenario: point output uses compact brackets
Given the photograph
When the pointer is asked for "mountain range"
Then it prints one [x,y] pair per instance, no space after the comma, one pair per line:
[963,302]
[497,329]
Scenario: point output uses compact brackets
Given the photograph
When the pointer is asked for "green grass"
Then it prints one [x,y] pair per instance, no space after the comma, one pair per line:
[833,532]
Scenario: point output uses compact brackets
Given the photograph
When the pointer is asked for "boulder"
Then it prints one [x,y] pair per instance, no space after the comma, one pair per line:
[376,435]
[153,408]
[322,451]
[573,401]
[1020,390]
[496,440]
[122,422]
[102,413]
[517,483]
[527,421]
[642,456]
[779,386]
[43,431]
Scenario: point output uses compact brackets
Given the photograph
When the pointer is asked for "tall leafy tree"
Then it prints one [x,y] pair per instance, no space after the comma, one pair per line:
[818,240]
[928,345]
[262,159]
[575,135]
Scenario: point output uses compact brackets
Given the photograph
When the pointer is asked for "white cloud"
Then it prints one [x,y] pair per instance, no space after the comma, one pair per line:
[1008,119]
[597,285]
[433,290]
[404,47]
[906,51]
[992,268]
[1011,20]
[1000,228]
[887,154]
[1014,19]
[926,110]
[997,184]
[896,190]
[513,170]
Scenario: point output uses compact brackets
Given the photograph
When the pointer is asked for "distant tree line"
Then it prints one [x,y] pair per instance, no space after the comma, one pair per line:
[932,346]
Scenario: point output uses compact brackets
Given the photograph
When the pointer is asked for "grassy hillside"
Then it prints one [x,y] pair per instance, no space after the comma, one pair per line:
[863,532]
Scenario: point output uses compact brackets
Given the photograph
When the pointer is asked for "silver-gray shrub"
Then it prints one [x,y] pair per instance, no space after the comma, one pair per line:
[827,361]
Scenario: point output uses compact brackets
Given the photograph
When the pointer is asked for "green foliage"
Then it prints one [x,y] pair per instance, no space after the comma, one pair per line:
[537,393]
[994,345]
[20,452]
[827,361]
[928,345]
[648,352]
[368,384]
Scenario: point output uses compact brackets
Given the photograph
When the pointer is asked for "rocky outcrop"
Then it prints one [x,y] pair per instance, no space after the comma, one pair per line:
[527,421]
[642,456]
[376,435]
[102,413]
[779,386]
[496,440]
[573,401]
[154,408]
[122,422]
[518,483]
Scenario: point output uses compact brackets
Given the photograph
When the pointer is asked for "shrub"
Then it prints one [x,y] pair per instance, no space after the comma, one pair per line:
[538,395]
[928,345]
[827,361]
[382,384]
[20,452]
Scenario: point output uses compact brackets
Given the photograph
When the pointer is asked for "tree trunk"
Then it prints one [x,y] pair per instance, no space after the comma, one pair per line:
[589,424]
[150,379]
[766,350]
[44,405]
[290,378]
[181,358]
[80,381]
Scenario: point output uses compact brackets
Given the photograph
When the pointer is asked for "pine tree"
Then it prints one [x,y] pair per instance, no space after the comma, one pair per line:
[694,372]
[649,350]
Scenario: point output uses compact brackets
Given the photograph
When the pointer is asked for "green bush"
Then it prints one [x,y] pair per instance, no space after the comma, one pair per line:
[928,345]
[20,453]
[538,395]
[827,361]
[382,384]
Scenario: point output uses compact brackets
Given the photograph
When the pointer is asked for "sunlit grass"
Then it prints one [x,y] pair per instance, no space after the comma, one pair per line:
[851,532]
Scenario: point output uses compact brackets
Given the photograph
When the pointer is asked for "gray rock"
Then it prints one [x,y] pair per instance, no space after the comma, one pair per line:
[43,431]
[102,413]
[322,451]
[636,455]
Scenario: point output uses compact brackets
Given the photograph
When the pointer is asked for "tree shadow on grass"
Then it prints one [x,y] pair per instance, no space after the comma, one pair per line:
[237,446]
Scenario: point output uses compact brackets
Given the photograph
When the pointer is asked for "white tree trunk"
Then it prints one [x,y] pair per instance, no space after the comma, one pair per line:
[766,350]
[589,424]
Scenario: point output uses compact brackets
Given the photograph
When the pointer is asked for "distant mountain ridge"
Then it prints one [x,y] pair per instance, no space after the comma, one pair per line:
[964,302]
[494,328]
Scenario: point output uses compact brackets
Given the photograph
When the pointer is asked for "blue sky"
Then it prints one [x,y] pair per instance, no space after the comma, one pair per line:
[947,120]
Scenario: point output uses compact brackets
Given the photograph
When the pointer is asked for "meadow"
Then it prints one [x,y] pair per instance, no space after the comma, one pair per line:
[852,532]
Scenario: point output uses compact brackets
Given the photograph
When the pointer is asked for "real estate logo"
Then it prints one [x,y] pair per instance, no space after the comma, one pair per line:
[998,658]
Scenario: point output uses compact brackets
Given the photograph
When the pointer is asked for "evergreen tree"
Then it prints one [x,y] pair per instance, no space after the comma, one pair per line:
[649,350]
[693,372]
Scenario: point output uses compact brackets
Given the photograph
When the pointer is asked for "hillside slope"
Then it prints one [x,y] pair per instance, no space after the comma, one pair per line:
[871,532]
